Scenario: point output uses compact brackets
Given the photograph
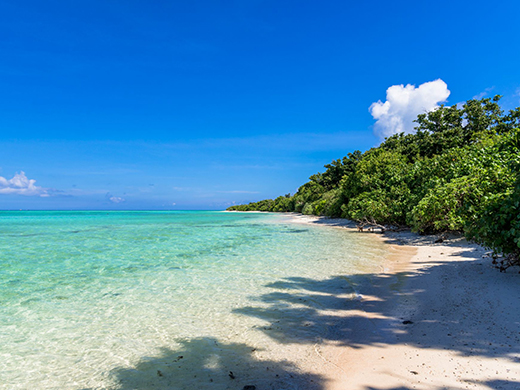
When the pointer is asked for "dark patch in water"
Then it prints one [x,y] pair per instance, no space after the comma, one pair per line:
[26,235]
[112,294]
[296,231]
[29,301]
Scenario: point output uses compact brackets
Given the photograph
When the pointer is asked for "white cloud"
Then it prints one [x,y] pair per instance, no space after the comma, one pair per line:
[483,94]
[404,103]
[21,185]
[116,199]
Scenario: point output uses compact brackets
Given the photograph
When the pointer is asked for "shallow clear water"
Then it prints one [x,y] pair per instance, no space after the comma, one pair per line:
[121,299]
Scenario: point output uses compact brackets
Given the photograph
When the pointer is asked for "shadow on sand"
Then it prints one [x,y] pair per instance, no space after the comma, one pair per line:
[206,363]
[306,305]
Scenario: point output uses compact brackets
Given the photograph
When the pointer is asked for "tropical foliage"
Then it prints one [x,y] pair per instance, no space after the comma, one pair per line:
[460,171]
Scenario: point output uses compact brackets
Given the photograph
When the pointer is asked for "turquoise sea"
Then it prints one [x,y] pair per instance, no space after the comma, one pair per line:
[169,300]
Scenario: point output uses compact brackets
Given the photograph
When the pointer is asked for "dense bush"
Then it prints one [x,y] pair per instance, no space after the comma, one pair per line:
[497,225]
[460,171]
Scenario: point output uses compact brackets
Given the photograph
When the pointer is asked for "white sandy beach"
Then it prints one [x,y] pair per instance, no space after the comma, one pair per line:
[439,316]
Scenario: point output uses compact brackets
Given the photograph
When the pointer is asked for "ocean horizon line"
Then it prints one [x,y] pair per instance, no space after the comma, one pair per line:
[183,210]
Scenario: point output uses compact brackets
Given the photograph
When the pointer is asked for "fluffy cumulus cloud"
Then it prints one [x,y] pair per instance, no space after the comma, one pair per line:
[404,103]
[21,185]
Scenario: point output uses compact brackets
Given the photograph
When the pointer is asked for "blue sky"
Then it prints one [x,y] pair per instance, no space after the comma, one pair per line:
[199,104]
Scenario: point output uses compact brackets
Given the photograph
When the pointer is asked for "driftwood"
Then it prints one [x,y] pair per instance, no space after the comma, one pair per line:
[370,226]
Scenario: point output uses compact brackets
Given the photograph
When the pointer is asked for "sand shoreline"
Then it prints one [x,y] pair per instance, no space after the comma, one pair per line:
[438,316]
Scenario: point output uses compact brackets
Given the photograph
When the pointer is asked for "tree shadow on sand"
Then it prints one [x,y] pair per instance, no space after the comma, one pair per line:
[207,363]
[360,310]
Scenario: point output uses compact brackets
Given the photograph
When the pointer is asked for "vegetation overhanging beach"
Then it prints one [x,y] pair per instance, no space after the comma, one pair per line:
[459,172]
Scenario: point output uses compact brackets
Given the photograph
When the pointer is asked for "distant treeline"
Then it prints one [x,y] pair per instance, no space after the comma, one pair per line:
[458,172]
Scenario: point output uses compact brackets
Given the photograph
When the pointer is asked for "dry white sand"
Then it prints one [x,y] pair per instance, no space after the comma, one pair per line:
[439,316]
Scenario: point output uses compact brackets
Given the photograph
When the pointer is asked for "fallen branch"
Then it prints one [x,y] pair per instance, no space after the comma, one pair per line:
[362,225]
